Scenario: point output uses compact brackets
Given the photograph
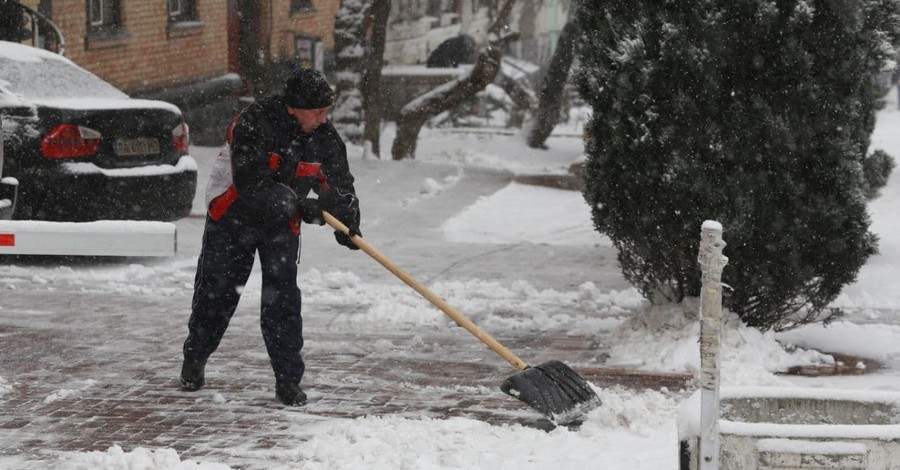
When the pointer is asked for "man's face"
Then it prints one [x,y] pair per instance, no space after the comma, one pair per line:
[309,119]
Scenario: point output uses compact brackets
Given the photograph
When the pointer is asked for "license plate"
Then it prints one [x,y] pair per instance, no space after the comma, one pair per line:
[139,146]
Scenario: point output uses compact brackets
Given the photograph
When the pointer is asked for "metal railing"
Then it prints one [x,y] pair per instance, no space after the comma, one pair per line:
[39,30]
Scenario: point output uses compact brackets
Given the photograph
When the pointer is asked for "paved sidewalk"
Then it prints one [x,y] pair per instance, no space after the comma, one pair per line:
[81,385]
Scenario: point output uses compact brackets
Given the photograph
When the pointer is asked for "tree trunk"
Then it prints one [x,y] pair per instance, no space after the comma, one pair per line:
[487,65]
[373,101]
[523,96]
[250,47]
[552,88]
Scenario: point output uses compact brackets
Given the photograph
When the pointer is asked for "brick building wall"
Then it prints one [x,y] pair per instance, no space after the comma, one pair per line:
[151,54]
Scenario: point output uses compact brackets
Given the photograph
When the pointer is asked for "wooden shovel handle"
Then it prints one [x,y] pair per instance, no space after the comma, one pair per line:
[438,302]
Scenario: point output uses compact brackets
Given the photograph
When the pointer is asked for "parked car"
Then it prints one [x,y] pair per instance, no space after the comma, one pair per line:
[82,150]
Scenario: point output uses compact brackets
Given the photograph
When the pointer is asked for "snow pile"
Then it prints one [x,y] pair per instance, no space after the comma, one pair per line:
[665,338]
[492,305]
[876,341]
[456,443]
[432,187]
[642,412]
[521,306]
[166,280]
[139,459]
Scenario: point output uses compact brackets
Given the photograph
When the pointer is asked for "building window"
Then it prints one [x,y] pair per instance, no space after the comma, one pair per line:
[301,5]
[182,10]
[104,15]
[309,53]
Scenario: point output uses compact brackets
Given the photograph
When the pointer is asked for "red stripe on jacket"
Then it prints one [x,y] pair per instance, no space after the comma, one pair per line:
[274,161]
[312,169]
[220,204]
[308,169]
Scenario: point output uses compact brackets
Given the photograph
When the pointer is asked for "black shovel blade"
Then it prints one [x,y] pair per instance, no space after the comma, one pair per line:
[554,390]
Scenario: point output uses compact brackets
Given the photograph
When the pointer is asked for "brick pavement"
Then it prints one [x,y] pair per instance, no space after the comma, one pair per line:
[82,386]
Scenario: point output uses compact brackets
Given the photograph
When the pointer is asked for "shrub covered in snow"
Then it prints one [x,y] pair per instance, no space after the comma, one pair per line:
[755,113]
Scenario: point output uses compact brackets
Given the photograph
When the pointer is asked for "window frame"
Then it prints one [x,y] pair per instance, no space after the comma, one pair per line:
[186,11]
[109,12]
[301,6]
[304,45]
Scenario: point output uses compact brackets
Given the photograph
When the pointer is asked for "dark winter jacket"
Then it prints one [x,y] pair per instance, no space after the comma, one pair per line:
[268,153]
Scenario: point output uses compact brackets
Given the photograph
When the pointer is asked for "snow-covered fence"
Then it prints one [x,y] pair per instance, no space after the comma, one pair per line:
[776,428]
[798,428]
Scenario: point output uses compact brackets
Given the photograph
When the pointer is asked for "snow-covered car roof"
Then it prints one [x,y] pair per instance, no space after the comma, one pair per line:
[33,76]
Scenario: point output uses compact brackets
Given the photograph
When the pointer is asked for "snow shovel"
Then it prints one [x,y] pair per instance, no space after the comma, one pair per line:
[551,388]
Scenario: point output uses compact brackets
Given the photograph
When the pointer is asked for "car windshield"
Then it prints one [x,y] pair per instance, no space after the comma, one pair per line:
[43,79]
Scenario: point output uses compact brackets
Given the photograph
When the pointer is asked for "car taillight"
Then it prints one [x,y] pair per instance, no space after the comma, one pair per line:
[181,137]
[70,141]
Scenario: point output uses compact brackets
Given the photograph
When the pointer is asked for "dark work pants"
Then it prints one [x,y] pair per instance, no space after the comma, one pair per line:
[226,259]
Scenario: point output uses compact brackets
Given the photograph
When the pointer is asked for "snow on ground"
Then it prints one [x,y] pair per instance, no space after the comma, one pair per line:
[138,459]
[478,222]
[632,430]
[608,439]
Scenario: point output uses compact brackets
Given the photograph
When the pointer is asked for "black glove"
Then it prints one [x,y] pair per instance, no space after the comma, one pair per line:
[311,211]
[345,208]
[353,228]
[344,240]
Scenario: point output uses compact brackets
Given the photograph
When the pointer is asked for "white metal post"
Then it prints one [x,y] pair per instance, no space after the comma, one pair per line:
[711,264]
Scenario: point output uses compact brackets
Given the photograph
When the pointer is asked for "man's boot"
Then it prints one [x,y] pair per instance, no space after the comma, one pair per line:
[290,394]
[192,375]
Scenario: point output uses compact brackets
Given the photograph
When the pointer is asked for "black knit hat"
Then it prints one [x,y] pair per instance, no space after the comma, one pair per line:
[308,89]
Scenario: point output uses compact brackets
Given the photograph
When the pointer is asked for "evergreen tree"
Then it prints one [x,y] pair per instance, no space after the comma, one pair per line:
[754,113]
[349,35]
